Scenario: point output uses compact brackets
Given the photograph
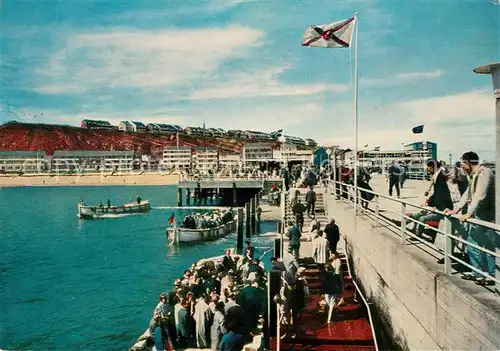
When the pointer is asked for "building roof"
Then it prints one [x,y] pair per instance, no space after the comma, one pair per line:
[208,148]
[138,124]
[22,153]
[177,148]
[66,153]
[127,123]
[97,122]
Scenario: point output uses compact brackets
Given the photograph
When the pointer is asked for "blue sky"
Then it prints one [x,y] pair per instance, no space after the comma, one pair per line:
[239,64]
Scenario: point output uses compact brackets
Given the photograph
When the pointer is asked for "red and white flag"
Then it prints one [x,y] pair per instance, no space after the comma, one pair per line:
[334,35]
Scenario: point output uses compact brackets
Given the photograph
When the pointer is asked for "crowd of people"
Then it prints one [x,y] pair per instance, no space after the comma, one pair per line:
[294,291]
[215,305]
[206,220]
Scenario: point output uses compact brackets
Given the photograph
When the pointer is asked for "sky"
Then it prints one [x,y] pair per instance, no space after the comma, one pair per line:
[240,65]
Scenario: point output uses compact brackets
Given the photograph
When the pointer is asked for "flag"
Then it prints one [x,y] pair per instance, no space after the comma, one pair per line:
[418,129]
[334,35]
[172,219]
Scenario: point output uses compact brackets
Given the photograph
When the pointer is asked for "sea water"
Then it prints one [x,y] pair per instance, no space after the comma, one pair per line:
[70,284]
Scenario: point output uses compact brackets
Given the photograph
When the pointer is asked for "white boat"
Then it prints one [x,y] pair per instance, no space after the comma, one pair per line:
[186,235]
[93,212]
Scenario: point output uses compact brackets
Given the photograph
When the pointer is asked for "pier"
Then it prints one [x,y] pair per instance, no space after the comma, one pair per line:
[422,303]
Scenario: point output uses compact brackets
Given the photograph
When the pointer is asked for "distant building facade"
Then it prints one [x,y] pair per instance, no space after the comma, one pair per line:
[230,161]
[256,153]
[138,127]
[206,158]
[96,124]
[176,157]
[290,153]
[161,128]
[23,161]
[92,161]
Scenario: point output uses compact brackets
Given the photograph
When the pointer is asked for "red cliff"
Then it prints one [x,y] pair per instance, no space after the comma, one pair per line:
[49,138]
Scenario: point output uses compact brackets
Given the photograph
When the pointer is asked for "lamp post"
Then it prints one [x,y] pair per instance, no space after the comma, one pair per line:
[494,70]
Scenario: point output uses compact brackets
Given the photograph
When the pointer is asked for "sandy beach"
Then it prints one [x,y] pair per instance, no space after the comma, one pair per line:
[96,179]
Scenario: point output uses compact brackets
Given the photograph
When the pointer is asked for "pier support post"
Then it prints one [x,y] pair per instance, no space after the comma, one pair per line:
[198,198]
[247,219]
[252,214]
[239,242]
[179,197]
[235,195]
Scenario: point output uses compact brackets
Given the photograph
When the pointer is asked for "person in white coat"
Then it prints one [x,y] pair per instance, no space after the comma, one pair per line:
[321,249]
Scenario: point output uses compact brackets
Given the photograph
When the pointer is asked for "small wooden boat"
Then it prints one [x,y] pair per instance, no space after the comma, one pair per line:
[93,212]
[186,235]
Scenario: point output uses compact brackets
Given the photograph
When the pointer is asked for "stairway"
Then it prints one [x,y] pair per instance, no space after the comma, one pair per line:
[350,328]
[319,212]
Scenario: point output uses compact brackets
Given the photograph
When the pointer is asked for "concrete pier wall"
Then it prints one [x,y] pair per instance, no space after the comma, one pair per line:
[420,306]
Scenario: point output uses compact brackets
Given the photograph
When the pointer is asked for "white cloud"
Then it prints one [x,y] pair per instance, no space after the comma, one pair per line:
[458,122]
[401,78]
[143,59]
[262,83]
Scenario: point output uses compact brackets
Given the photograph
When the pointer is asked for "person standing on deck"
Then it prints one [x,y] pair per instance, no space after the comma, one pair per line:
[202,316]
[393,177]
[332,235]
[321,249]
[294,235]
[402,175]
[311,201]
[139,200]
[218,328]
[480,201]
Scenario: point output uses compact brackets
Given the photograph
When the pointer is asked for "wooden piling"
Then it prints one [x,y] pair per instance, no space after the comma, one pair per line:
[252,215]
[239,243]
[235,195]
[179,197]
[247,220]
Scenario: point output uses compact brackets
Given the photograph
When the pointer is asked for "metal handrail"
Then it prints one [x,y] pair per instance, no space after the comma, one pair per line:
[447,233]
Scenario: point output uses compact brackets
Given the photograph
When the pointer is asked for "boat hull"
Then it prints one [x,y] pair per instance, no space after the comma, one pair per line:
[185,235]
[95,212]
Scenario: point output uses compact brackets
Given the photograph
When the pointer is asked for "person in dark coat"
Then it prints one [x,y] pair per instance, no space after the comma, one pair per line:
[394,172]
[332,235]
[298,210]
[294,235]
[440,198]
[311,201]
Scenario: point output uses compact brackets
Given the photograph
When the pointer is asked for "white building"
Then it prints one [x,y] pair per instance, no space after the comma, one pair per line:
[176,157]
[138,127]
[206,158]
[290,153]
[125,126]
[415,159]
[23,161]
[256,153]
[230,161]
[92,161]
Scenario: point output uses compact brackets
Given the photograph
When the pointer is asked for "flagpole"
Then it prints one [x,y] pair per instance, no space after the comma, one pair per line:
[356,124]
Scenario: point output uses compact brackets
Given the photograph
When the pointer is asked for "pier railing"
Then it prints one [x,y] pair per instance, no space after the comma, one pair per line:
[216,177]
[446,229]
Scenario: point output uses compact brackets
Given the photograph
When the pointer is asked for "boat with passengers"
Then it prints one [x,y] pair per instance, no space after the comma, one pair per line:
[203,226]
[108,211]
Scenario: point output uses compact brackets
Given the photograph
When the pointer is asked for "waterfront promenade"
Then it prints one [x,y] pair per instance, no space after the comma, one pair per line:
[421,307]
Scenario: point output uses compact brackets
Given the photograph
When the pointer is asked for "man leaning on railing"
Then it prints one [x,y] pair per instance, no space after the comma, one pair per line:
[480,201]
